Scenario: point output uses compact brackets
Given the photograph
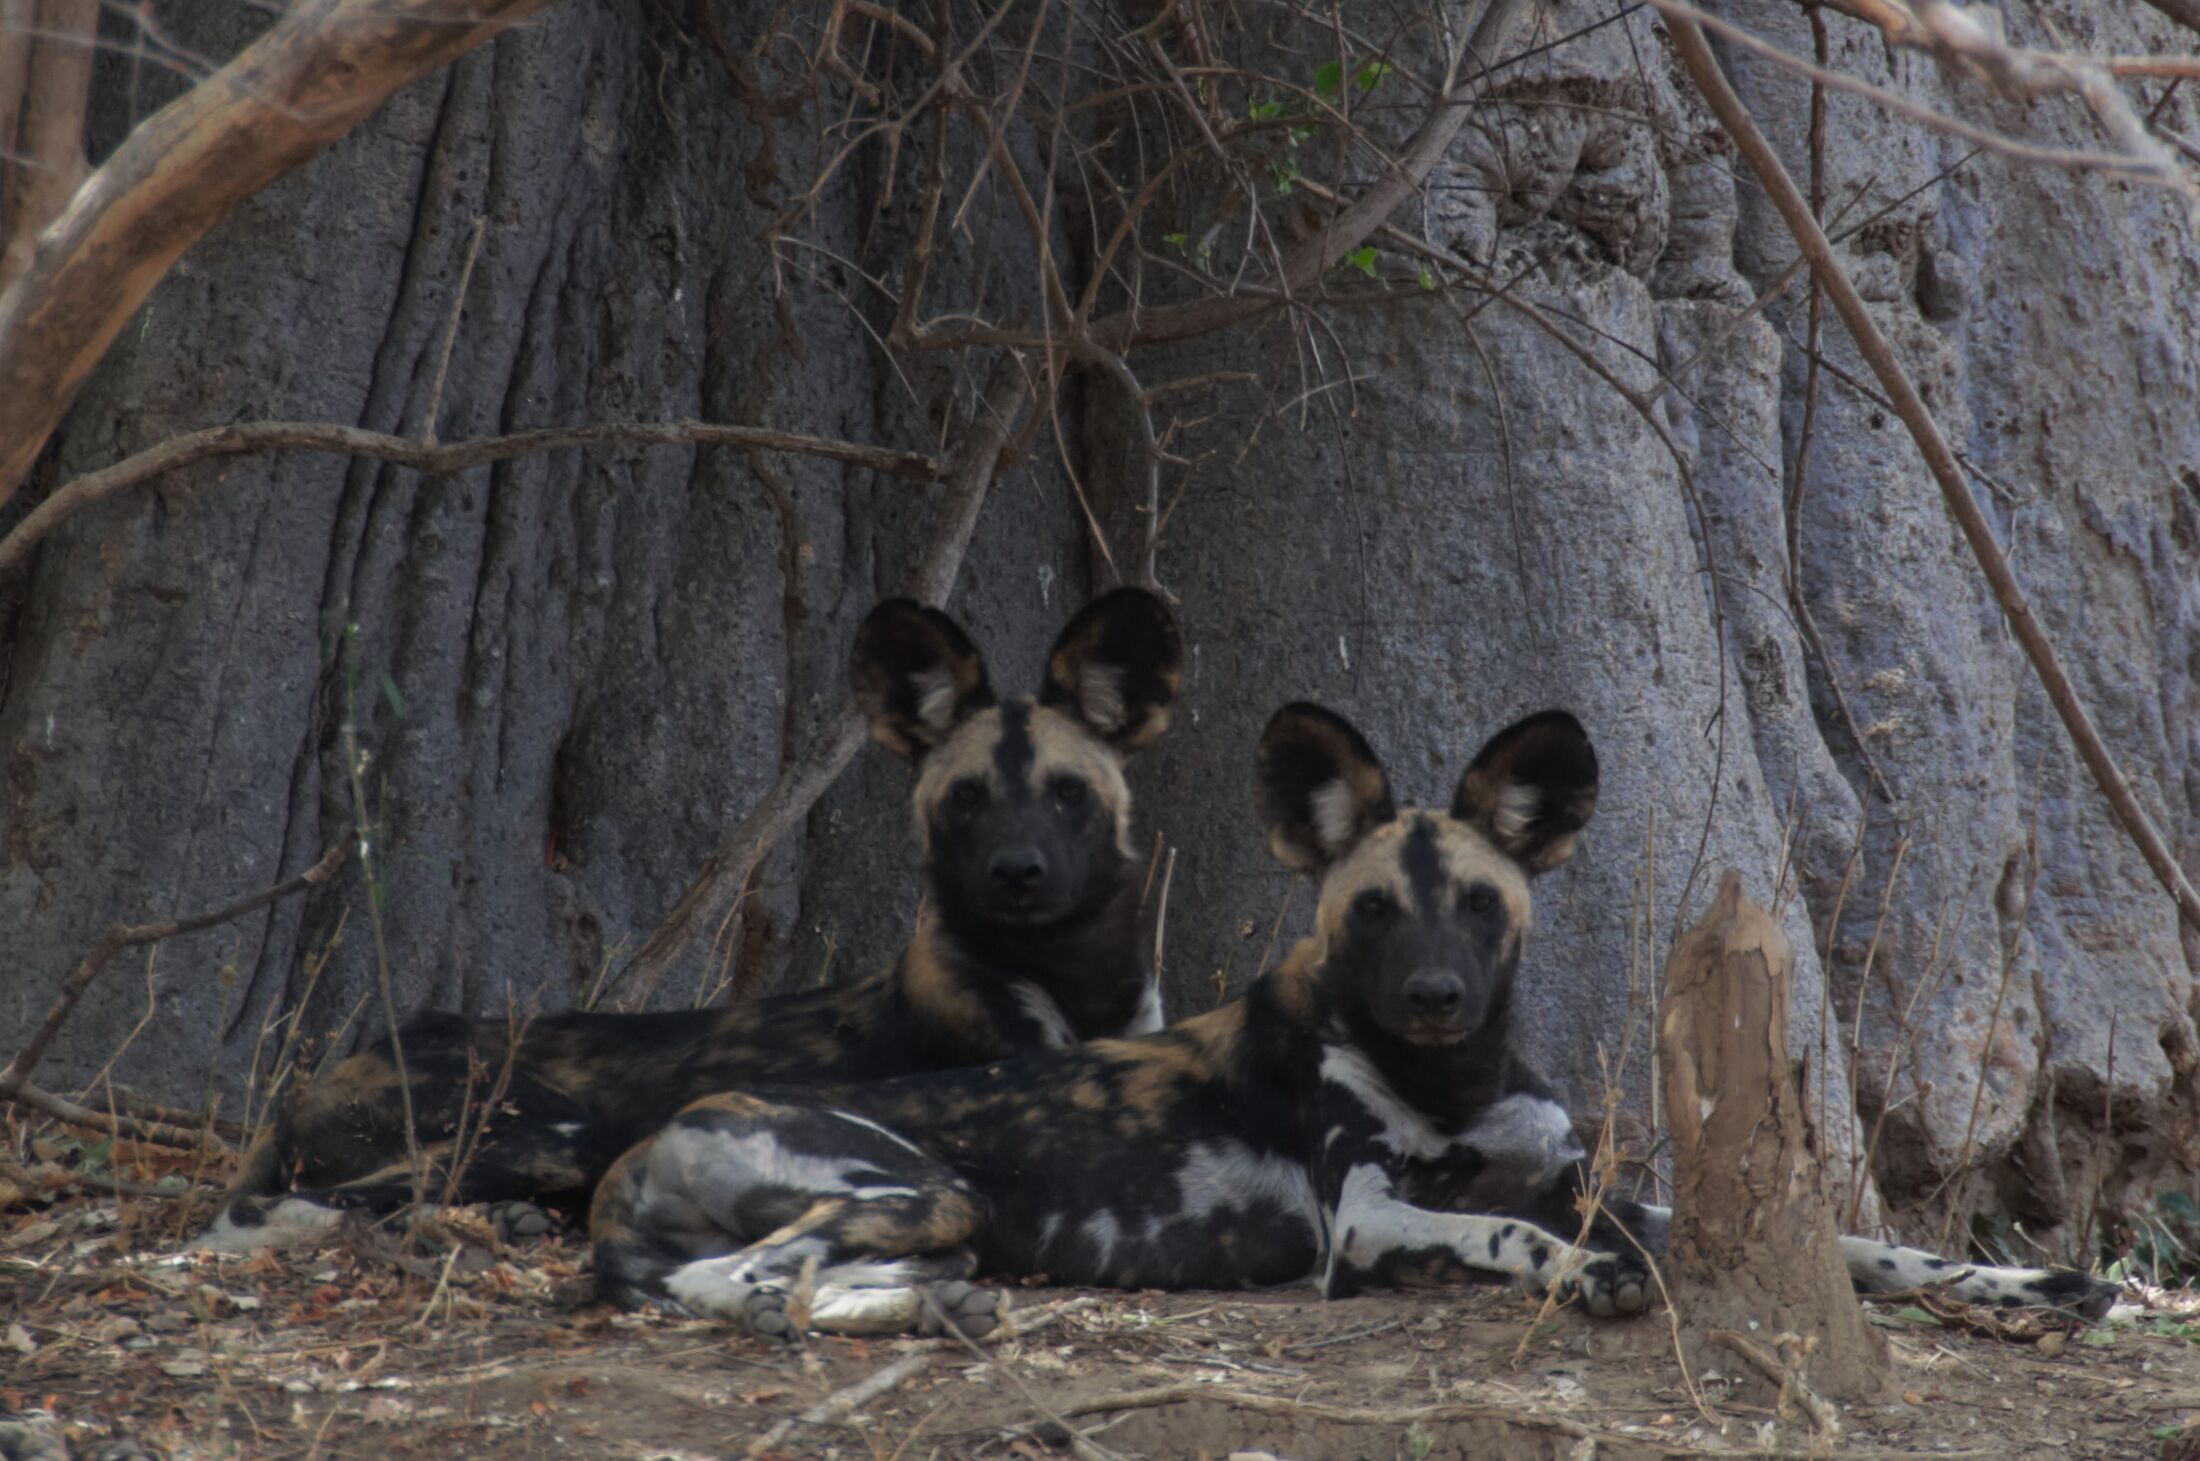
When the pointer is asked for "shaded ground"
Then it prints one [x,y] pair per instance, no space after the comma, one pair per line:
[469,1351]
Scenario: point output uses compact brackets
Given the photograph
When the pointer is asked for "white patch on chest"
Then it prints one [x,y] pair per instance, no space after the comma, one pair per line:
[1403,1129]
[1055,1030]
[1532,1133]
[1149,1016]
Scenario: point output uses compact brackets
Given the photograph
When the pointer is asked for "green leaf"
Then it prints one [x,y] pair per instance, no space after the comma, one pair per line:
[1363,259]
[389,693]
[2101,1338]
[1328,77]
[2167,1432]
[1265,111]
[1371,74]
[1914,1315]
[1176,241]
[1428,280]
[1301,134]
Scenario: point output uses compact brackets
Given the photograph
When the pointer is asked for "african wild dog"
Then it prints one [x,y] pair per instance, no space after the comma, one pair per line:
[1027,939]
[1359,1115]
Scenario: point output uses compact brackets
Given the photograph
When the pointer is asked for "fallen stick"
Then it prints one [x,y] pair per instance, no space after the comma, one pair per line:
[1340,1414]
[844,1402]
[841,1403]
[1823,1417]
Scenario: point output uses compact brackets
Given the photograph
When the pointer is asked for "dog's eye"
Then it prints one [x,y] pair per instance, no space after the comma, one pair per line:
[1372,903]
[1069,793]
[967,795]
[1481,900]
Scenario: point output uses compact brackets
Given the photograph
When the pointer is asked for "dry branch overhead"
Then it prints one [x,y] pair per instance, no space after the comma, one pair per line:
[1772,175]
[1753,1243]
[320,69]
[1352,225]
[46,51]
[437,458]
[987,443]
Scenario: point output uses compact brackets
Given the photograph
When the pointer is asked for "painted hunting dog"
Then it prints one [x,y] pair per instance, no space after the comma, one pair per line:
[1028,940]
[1359,1116]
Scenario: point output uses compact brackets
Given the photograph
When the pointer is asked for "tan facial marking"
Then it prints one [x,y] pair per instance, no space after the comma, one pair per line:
[1467,857]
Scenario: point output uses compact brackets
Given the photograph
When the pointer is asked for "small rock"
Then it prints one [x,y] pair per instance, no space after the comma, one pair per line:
[187,1365]
[2052,1343]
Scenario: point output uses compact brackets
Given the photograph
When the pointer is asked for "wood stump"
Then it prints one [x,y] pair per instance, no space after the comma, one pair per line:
[1754,1249]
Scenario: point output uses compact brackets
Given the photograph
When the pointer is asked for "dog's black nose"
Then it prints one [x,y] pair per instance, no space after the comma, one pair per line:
[1017,868]
[1434,992]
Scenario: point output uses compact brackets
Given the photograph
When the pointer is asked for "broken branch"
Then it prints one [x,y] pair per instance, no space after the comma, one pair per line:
[320,70]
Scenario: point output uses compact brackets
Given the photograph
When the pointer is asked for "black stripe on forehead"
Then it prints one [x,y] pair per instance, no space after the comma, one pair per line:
[1423,864]
[1014,752]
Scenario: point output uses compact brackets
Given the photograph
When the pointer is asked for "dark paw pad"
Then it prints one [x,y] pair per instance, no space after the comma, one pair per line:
[765,1312]
[975,1311]
[23,1442]
[1610,1284]
[524,1222]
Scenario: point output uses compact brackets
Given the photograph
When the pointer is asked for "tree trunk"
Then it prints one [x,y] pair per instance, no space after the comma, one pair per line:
[1754,1248]
[573,673]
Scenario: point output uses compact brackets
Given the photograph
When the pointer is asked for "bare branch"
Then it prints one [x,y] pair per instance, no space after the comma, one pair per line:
[440,459]
[46,51]
[320,69]
[16,1077]
[988,442]
[1772,176]
[2140,168]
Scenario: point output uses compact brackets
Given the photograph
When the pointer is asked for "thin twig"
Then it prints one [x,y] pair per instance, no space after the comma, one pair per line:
[15,1078]
[450,331]
[988,442]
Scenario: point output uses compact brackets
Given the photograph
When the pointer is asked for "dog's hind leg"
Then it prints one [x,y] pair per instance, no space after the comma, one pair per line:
[743,1209]
[347,1147]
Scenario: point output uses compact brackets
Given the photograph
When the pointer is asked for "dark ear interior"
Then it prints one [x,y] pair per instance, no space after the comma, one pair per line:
[1116,667]
[1318,785]
[1531,789]
[915,674]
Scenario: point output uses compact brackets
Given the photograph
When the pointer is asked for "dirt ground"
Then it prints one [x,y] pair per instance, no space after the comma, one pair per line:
[108,1334]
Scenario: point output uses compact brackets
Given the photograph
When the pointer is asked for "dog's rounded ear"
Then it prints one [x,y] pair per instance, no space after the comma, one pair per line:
[1318,786]
[1531,789]
[915,675]
[1116,667]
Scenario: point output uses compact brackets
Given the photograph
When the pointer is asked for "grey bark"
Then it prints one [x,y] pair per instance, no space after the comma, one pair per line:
[599,660]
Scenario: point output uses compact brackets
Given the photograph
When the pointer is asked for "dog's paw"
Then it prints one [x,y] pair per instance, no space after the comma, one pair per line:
[973,1310]
[523,1222]
[1609,1284]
